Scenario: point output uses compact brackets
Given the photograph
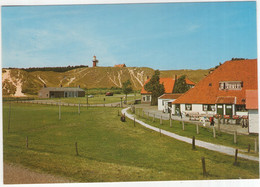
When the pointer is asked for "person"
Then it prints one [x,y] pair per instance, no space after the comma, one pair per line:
[211,119]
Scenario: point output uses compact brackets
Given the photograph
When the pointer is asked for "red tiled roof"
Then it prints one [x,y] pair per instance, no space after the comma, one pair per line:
[167,82]
[189,82]
[170,96]
[207,90]
[226,100]
[251,99]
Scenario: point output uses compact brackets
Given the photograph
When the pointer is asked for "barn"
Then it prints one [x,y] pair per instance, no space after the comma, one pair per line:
[57,92]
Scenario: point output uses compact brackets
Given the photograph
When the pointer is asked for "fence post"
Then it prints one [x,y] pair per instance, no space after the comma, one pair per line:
[9,117]
[148,116]
[236,163]
[118,113]
[161,120]
[197,128]
[170,122]
[193,143]
[134,122]
[249,147]
[255,145]
[203,166]
[76,146]
[235,137]
[26,142]
[79,109]
[183,127]
[153,117]
[214,132]
[59,112]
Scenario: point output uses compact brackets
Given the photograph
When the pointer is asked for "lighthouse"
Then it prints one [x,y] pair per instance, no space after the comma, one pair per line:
[95,61]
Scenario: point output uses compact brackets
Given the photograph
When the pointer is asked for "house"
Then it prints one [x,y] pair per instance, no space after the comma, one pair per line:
[252,107]
[222,92]
[165,102]
[168,88]
[120,65]
[57,92]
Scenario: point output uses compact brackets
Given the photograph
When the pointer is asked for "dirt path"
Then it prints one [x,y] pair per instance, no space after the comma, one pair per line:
[14,174]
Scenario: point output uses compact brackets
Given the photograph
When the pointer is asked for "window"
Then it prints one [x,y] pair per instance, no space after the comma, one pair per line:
[188,107]
[148,98]
[208,107]
[143,98]
[241,108]
[162,103]
[230,85]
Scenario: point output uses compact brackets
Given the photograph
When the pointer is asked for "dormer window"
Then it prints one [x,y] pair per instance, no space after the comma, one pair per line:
[231,85]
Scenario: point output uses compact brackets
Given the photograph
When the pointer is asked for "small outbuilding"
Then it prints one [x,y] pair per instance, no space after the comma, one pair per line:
[57,92]
[165,102]
[252,107]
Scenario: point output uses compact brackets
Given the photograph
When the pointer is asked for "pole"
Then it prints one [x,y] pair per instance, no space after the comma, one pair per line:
[79,109]
[235,163]
[255,145]
[76,146]
[193,143]
[235,137]
[214,132]
[9,117]
[59,112]
[161,120]
[203,166]
[170,122]
[197,128]
[183,127]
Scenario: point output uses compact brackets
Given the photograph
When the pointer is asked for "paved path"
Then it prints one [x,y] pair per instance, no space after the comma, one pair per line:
[210,146]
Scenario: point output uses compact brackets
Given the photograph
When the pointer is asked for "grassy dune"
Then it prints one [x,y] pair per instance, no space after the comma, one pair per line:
[109,150]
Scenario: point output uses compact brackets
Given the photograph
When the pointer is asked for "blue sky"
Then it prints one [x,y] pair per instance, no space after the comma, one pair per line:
[161,36]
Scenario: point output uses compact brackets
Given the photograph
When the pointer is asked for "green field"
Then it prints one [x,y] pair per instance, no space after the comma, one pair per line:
[205,133]
[99,99]
[109,150]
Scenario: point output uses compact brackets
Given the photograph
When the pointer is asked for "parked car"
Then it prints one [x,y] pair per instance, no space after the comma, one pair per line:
[109,94]
[90,96]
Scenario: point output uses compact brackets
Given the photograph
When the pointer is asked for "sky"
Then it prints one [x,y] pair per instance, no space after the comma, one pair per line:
[161,36]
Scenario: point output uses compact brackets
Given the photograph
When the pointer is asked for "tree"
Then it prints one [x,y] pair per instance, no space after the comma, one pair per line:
[155,87]
[127,88]
[180,85]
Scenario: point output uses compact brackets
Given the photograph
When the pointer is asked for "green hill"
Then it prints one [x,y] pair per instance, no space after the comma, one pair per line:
[17,82]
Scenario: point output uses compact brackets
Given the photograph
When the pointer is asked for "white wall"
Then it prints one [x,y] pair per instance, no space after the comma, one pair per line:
[160,106]
[253,121]
[196,108]
[164,107]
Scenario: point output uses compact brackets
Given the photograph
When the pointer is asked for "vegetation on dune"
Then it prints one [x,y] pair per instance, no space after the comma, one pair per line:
[55,69]
[108,149]
[155,87]
[180,85]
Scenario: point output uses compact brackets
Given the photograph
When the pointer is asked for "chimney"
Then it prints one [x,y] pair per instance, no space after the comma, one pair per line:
[61,85]
[175,77]
[44,86]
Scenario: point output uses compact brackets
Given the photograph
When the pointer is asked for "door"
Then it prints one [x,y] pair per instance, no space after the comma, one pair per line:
[169,107]
[220,109]
[177,109]
[229,110]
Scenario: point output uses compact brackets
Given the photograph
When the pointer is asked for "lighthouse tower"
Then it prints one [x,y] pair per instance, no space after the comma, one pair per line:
[95,61]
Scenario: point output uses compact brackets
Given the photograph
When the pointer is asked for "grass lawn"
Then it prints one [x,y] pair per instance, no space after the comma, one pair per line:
[109,150]
[205,134]
[99,99]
